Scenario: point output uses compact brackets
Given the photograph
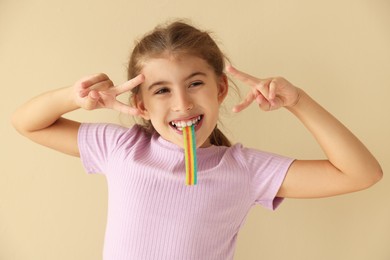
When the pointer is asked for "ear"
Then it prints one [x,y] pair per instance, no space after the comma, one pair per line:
[140,105]
[223,87]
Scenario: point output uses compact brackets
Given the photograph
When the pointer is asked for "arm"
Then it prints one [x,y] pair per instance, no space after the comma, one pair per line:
[349,166]
[40,119]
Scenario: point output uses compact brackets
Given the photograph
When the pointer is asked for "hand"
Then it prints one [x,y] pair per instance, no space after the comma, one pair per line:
[270,93]
[98,91]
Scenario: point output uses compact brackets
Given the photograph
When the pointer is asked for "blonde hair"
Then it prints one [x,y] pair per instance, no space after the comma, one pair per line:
[177,38]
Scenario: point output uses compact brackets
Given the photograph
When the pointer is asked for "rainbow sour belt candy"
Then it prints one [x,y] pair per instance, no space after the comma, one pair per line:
[190,155]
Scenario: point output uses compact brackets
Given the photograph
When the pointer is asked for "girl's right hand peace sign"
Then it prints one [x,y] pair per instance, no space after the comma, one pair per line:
[98,91]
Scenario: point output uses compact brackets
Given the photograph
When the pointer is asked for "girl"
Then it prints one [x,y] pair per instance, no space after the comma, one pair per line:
[177,77]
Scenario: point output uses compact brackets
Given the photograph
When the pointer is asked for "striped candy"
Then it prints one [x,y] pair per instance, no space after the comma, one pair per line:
[190,155]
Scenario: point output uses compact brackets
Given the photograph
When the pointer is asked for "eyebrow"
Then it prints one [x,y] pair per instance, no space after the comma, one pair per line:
[198,73]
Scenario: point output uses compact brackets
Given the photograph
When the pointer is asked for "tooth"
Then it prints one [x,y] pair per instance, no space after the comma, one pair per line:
[181,124]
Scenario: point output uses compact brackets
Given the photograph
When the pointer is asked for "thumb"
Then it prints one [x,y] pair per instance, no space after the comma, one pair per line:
[91,100]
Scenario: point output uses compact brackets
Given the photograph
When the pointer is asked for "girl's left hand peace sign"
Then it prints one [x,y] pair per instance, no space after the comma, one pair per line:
[270,93]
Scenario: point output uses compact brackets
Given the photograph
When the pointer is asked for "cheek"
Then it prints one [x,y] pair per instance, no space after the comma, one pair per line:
[155,110]
[152,106]
[211,98]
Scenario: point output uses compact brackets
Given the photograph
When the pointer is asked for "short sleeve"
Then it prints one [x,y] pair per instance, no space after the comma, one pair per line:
[96,142]
[267,175]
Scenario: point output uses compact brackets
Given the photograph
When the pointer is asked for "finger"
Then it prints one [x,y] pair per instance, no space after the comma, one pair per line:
[99,85]
[260,99]
[93,79]
[272,92]
[245,103]
[125,109]
[91,100]
[102,85]
[246,78]
[265,105]
[83,93]
[129,85]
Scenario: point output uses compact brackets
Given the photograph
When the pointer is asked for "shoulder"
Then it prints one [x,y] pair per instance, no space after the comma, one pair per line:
[255,159]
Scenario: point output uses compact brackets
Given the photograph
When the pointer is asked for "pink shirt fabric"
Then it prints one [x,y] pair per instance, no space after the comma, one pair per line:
[152,214]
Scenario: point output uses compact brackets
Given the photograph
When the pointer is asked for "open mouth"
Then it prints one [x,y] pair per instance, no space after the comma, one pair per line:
[179,125]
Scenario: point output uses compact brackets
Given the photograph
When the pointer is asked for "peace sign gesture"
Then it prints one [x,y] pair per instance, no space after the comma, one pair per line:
[270,93]
[98,91]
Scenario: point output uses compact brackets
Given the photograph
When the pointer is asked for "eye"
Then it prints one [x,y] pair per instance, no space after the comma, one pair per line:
[196,83]
[161,91]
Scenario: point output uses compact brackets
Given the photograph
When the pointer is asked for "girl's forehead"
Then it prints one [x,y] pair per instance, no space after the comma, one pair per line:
[174,65]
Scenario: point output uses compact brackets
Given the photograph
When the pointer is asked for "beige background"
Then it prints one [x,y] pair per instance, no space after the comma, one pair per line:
[338,51]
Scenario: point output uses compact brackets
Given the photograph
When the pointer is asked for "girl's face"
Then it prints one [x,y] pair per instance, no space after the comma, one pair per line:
[181,90]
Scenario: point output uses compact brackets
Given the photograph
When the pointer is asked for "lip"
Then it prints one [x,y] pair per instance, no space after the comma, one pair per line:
[187,119]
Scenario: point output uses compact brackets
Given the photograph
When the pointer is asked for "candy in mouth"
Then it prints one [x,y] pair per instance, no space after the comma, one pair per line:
[190,155]
[179,125]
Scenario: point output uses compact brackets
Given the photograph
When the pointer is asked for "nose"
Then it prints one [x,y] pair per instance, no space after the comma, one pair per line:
[182,102]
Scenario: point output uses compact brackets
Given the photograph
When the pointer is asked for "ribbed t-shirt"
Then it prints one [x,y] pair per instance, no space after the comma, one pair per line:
[152,214]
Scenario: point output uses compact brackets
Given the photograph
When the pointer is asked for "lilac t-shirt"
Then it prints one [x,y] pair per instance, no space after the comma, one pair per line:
[152,214]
